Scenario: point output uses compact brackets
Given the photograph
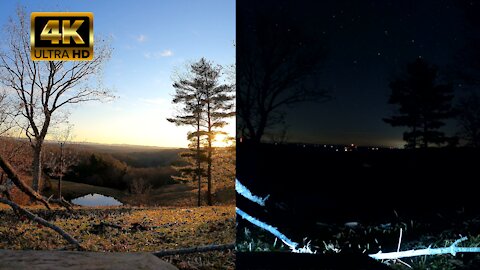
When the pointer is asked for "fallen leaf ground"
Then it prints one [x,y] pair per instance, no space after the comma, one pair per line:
[130,229]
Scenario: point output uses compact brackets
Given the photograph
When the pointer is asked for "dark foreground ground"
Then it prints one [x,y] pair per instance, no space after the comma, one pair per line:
[359,201]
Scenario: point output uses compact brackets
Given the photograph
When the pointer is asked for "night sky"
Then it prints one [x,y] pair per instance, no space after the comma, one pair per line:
[369,44]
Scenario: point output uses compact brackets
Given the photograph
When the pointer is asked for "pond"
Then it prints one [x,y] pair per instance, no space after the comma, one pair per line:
[96,200]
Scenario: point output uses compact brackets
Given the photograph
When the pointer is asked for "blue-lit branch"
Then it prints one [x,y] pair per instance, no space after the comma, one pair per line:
[245,192]
[453,249]
[242,190]
[291,244]
[267,227]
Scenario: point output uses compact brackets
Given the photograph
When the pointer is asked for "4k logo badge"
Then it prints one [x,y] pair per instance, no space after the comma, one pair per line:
[61,36]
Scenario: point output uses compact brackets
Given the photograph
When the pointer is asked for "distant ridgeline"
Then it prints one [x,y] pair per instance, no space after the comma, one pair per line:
[313,184]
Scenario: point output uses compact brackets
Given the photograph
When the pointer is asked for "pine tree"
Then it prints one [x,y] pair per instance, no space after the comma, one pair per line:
[189,95]
[218,100]
[206,103]
[423,105]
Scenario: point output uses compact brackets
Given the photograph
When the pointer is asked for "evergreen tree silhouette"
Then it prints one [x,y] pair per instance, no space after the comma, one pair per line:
[423,105]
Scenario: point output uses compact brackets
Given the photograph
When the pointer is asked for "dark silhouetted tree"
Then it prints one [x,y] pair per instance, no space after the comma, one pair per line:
[279,66]
[423,105]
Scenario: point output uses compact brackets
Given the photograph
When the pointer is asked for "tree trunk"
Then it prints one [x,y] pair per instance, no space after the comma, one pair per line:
[61,173]
[199,167]
[209,159]
[37,165]
[60,187]
[252,133]
[261,128]
[209,172]
[199,202]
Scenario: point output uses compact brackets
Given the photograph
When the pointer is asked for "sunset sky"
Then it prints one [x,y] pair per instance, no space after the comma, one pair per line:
[150,40]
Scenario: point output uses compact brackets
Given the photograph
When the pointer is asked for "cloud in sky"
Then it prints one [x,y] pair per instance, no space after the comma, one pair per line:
[156,55]
[166,53]
[141,38]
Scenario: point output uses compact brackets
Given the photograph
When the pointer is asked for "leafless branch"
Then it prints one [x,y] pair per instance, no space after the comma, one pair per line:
[43,222]
[42,88]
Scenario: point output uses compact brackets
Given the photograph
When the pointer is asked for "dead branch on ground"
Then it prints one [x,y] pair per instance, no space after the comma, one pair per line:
[43,222]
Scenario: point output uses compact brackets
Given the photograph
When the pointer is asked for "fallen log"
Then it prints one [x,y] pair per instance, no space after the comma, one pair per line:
[8,169]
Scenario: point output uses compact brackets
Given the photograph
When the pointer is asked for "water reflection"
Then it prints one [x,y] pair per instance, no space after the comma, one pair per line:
[96,200]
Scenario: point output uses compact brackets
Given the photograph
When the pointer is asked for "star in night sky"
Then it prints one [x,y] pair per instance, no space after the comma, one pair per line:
[369,44]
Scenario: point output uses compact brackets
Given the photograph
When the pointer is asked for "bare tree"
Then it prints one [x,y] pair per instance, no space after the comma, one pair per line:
[60,159]
[9,177]
[278,58]
[3,112]
[3,129]
[8,113]
[45,87]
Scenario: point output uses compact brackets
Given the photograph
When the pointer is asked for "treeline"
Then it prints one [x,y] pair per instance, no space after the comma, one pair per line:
[148,159]
[119,171]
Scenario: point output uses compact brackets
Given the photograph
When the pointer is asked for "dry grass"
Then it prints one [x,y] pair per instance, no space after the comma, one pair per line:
[142,229]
